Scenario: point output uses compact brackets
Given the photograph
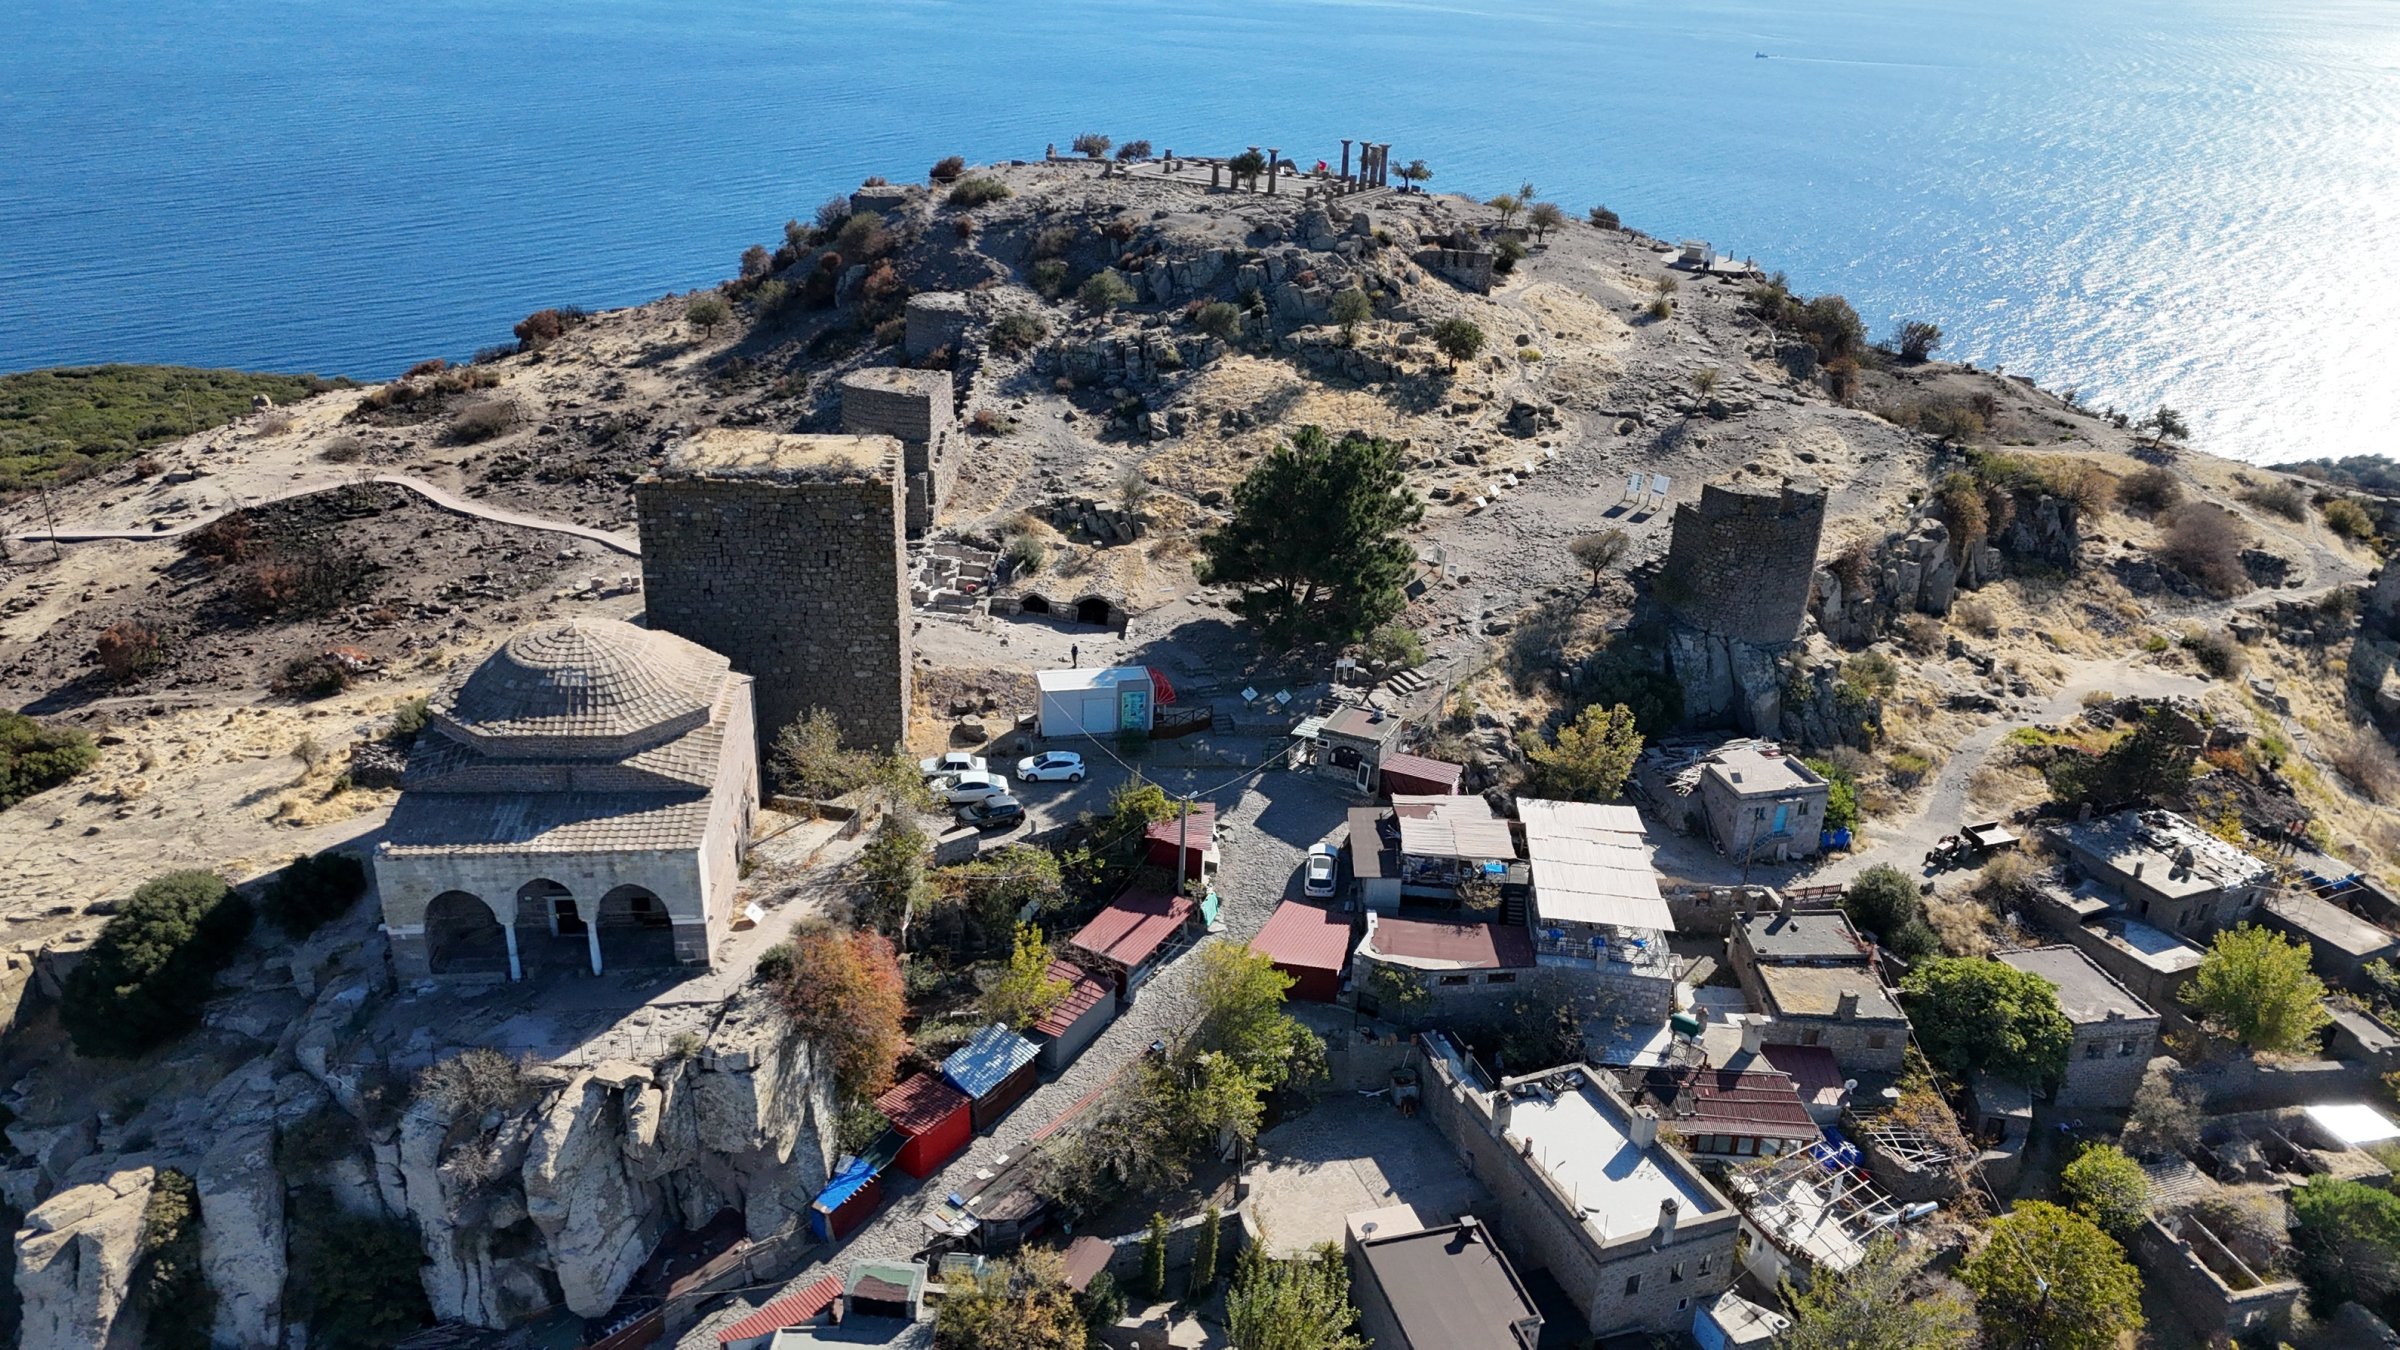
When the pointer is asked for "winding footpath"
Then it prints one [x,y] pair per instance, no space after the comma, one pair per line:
[440,497]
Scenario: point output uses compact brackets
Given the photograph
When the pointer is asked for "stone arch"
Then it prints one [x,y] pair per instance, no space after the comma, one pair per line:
[463,936]
[1034,604]
[635,929]
[1094,610]
[550,927]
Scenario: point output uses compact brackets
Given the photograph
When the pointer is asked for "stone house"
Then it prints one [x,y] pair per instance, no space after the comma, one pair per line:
[1352,742]
[1421,848]
[2211,1287]
[2340,943]
[1445,1288]
[1819,983]
[1763,803]
[1595,905]
[2115,1033]
[1462,967]
[580,799]
[2170,873]
[1585,1189]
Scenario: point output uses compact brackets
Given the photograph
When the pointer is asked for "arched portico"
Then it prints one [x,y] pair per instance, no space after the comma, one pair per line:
[464,937]
[552,931]
[635,929]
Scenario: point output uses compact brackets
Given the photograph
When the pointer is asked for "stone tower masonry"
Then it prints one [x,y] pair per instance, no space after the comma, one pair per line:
[914,407]
[1741,559]
[785,554]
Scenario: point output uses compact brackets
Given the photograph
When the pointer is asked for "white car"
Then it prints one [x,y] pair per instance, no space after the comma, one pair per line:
[1317,881]
[958,789]
[957,761]
[1051,766]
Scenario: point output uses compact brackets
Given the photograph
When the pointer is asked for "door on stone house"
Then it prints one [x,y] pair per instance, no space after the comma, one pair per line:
[1783,815]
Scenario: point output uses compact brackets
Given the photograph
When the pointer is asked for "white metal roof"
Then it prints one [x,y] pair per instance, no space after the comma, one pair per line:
[1087,677]
[1591,864]
[1454,827]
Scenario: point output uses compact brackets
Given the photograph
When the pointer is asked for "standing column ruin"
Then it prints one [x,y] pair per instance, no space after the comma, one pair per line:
[1274,164]
[1345,159]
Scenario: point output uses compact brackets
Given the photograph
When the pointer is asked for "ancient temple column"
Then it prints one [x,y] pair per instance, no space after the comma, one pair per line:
[1214,169]
[1383,165]
[591,933]
[516,968]
[1274,162]
[1345,159]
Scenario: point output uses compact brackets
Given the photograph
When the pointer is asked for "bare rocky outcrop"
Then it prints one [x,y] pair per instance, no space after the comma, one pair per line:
[75,1260]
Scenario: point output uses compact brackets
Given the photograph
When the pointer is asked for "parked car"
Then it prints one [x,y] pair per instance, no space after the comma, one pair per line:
[1317,881]
[957,761]
[993,813]
[1051,766]
[958,789]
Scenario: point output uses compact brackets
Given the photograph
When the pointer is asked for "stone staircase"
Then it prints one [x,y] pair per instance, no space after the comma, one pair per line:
[1406,684]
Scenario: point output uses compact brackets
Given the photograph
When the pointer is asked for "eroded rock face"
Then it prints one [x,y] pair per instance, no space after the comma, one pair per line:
[242,1233]
[597,1220]
[75,1259]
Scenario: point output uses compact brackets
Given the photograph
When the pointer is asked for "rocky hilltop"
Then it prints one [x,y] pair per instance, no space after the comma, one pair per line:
[1866,553]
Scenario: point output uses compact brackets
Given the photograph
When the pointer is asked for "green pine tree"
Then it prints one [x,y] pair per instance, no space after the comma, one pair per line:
[1315,537]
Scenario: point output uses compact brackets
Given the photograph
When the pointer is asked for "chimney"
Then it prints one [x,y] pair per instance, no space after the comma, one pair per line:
[1754,1036]
[1847,1007]
[2137,869]
[1503,1106]
[1783,900]
[1645,1127]
[1667,1211]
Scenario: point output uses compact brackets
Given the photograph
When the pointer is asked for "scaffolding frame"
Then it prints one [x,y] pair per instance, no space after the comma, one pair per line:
[1819,1216]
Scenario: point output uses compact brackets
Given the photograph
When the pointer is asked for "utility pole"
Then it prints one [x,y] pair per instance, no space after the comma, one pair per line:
[1183,843]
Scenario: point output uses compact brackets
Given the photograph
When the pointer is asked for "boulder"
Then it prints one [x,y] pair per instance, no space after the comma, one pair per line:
[75,1259]
[242,1233]
[597,1221]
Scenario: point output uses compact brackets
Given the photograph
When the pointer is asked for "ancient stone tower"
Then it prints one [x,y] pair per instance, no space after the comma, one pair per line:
[784,553]
[1741,558]
[915,408]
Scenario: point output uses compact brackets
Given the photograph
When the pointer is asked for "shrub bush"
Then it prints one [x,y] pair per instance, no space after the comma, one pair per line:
[947,169]
[707,311]
[2153,489]
[832,214]
[35,758]
[2204,542]
[482,420]
[1105,290]
[155,964]
[1976,617]
[343,450]
[545,326]
[1604,219]
[1048,277]
[315,890]
[1018,331]
[170,1285]
[974,192]
[354,1280]
[129,649]
[2282,498]
[862,238]
[473,1083]
[1053,242]
[2218,653]
[2349,520]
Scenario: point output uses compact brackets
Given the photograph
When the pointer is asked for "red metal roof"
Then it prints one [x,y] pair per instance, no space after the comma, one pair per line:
[920,1104]
[1814,1071]
[1131,930]
[798,1310]
[1083,990]
[1306,936]
[1422,769]
[1202,828]
[1470,946]
[1732,1101]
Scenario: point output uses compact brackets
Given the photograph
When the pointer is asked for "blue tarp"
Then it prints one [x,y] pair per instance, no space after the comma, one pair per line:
[981,1065]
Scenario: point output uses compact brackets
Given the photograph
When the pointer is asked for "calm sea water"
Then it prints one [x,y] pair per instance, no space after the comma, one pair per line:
[2189,200]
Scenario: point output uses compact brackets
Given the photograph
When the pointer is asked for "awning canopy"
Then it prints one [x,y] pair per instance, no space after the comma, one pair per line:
[1588,868]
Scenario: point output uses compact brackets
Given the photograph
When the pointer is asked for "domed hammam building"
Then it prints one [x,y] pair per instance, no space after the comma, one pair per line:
[581,799]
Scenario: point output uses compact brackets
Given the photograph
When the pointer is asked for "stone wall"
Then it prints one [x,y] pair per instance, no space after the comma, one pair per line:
[936,319]
[1740,559]
[2172,1261]
[680,878]
[802,583]
[2105,1065]
[918,409]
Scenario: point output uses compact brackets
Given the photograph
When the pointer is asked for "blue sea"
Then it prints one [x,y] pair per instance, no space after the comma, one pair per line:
[2195,201]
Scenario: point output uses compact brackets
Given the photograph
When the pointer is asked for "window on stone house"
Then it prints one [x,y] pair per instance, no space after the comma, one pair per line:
[2094,1050]
[1675,1273]
[2125,1048]
[1682,1303]
[1811,1037]
[1704,1264]
[1875,1040]
[1502,977]
[1633,1285]
[1453,979]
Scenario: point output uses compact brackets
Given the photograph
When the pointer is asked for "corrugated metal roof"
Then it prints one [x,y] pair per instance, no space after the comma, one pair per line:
[1589,868]
[1452,827]
[1812,1069]
[1131,930]
[1086,1257]
[920,1104]
[1731,1101]
[1199,830]
[986,1061]
[1304,935]
[1084,989]
[798,1310]
[1423,769]
[1448,946]
[1088,677]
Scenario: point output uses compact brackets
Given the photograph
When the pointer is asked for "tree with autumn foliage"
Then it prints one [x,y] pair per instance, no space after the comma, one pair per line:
[842,990]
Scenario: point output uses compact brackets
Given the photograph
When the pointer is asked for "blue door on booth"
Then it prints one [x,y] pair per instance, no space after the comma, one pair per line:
[1133,708]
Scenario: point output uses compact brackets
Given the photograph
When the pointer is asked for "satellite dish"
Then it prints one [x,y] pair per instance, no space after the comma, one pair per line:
[1249,695]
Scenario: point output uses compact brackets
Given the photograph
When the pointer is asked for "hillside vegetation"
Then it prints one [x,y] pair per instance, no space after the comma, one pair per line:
[66,422]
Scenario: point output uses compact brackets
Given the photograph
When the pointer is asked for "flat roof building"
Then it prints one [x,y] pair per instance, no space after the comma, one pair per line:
[2340,943]
[1762,803]
[2172,873]
[1585,1188]
[1447,1288]
[2115,1033]
[1820,984]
